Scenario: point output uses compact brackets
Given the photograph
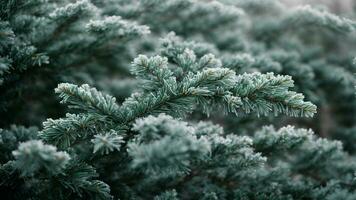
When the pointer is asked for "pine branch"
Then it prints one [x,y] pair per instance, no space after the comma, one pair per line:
[34,156]
[87,99]
[64,132]
[264,93]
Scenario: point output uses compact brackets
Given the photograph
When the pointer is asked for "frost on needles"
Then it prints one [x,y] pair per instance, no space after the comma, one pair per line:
[158,147]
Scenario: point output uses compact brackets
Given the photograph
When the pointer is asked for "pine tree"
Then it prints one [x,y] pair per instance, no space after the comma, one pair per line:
[46,42]
[176,99]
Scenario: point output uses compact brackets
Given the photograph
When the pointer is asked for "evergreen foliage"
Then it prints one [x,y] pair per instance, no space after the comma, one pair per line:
[176,99]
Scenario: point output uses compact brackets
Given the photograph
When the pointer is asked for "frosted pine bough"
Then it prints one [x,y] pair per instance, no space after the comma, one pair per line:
[157,142]
[162,147]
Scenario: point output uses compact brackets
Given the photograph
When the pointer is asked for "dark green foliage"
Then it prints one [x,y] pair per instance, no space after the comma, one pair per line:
[124,99]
